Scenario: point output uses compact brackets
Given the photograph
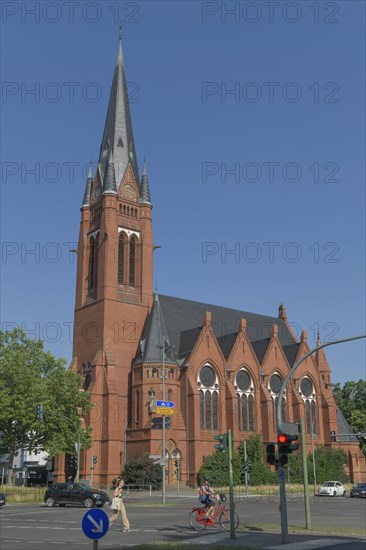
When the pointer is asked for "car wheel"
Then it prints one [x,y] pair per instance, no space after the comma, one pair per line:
[344,494]
[88,502]
[334,493]
[50,502]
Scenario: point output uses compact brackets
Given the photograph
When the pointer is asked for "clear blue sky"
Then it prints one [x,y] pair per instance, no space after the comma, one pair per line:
[293,131]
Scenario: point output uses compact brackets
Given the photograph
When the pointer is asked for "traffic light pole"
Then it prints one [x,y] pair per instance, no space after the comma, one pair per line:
[281,428]
[231,484]
[305,475]
[283,505]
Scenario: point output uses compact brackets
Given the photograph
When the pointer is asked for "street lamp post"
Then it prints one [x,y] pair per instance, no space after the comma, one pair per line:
[281,427]
[164,348]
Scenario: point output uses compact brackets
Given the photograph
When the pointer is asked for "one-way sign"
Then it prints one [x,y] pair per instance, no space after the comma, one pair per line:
[169,404]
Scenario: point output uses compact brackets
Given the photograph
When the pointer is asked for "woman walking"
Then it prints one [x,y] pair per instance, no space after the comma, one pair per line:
[118,506]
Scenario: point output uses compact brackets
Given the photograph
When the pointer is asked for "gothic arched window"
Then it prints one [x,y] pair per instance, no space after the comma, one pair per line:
[132,261]
[121,259]
[209,399]
[91,262]
[244,391]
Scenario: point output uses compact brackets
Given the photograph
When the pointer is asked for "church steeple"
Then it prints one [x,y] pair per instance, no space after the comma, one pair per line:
[118,142]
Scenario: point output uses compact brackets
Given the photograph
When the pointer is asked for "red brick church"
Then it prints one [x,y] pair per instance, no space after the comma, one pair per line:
[221,367]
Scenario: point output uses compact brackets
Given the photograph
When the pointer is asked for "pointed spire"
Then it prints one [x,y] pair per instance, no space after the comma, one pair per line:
[88,187]
[144,187]
[118,134]
[156,337]
[110,175]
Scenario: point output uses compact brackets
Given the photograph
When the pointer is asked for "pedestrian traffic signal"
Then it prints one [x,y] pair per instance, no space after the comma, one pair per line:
[94,459]
[271,454]
[74,462]
[223,442]
[333,436]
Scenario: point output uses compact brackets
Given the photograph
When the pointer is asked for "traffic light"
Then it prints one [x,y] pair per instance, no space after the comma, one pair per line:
[94,459]
[74,462]
[292,446]
[282,450]
[271,454]
[333,436]
[223,443]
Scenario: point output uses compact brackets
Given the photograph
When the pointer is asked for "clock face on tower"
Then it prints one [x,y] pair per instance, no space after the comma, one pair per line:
[128,191]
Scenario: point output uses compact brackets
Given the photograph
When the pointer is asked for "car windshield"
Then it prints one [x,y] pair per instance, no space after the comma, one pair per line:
[329,484]
[361,485]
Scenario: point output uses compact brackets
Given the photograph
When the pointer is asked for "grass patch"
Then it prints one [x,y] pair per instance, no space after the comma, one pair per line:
[329,529]
[177,546]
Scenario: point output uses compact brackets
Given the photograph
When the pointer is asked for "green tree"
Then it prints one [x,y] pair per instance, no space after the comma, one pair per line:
[260,473]
[41,402]
[351,400]
[142,470]
[329,464]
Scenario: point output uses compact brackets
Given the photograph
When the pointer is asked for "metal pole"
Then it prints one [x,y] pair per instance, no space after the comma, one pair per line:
[163,431]
[283,505]
[312,450]
[305,470]
[231,485]
[78,458]
[245,468]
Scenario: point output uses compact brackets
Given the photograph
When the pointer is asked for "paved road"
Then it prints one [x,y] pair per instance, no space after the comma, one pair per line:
[25,527]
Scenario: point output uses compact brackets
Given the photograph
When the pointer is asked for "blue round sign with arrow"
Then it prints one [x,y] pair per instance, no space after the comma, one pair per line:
[95,523]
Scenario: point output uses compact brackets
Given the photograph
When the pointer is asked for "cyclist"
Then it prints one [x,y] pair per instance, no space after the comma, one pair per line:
[207,497]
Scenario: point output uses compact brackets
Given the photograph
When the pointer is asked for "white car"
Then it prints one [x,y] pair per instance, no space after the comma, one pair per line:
[332,489]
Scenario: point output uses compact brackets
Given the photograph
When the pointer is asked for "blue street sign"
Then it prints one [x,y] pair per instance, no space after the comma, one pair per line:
[169,404]
[95,523]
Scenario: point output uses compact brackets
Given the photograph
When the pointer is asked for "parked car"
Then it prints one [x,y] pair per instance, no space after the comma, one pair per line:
[332,489]
[358,491]
[74,493]
[2,499]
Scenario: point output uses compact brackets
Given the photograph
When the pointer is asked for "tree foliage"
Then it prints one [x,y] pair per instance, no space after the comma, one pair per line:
[41,401]
[142,470]
[351,399]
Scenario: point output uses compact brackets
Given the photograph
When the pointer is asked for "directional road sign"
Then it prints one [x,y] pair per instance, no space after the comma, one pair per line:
[169,404]
[164,410]
[95,523]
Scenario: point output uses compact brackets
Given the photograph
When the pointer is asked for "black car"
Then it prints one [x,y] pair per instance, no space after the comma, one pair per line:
[358,491]
[74,493]
[2,499]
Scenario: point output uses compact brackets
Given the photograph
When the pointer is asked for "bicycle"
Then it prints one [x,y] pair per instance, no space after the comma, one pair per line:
[199,521]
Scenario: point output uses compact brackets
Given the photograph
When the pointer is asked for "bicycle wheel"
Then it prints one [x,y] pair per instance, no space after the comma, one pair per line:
[225,520]
[193,520]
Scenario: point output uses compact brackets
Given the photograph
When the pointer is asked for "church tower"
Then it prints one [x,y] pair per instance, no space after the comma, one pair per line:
[114,291]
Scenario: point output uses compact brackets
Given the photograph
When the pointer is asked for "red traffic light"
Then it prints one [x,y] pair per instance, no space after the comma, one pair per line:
[282,438]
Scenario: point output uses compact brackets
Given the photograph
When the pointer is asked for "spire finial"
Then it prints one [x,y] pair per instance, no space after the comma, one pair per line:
[120,32]
[120,54]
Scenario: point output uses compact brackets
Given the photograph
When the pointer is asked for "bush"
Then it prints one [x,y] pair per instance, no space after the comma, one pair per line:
[142,470]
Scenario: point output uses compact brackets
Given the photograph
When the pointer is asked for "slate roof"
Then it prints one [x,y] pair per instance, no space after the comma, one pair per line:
[182,321]
[345,428]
